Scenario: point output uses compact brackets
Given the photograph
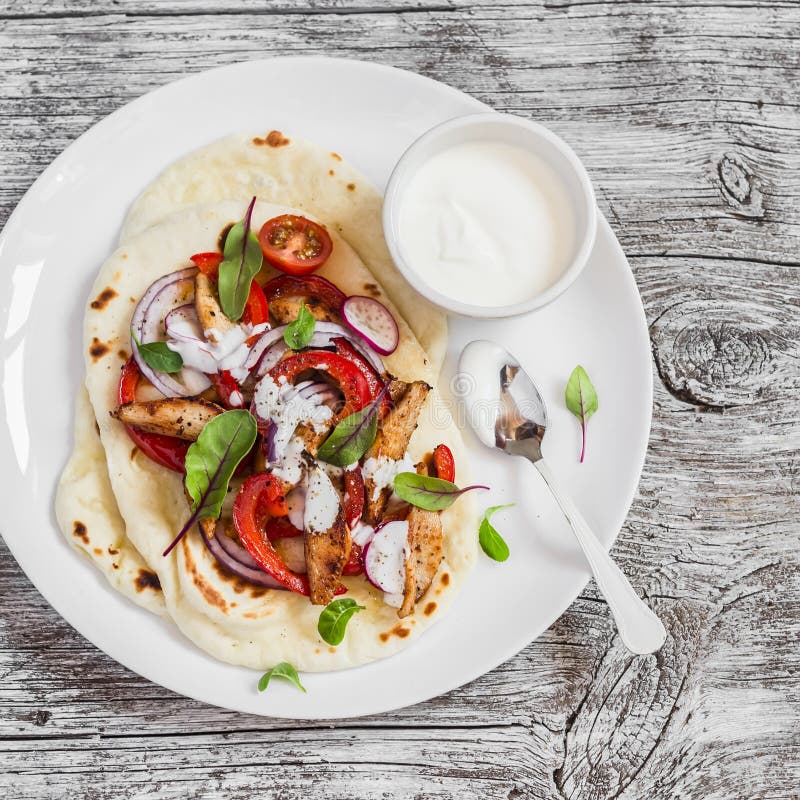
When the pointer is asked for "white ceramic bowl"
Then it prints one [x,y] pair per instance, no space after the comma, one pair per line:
[508,129]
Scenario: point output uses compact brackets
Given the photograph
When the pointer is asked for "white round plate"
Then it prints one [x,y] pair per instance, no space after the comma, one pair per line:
[68,223]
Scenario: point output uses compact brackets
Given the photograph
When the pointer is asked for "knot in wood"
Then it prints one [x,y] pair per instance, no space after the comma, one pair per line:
[739,186]
[715,357]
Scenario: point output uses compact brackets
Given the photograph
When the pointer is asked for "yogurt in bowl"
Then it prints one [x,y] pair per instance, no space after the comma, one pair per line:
[490,215]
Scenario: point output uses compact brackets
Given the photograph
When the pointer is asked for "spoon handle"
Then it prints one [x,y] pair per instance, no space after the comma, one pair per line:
[639,628]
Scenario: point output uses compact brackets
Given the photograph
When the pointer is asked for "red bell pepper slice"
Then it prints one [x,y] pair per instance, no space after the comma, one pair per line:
[355,564]
[256,309]
[280,528]
[226,386]
[258,497]
[315,289]
[353,496]
[375,382]
[444,463]
[351,380]
[207,263]
[259,515]
[168,451]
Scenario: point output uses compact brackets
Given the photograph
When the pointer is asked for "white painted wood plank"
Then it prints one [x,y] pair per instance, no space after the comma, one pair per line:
[687,117]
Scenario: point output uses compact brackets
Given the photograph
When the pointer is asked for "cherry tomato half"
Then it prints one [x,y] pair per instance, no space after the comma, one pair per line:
[294,245]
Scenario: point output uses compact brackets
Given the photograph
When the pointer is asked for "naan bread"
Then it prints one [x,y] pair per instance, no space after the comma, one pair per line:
[226,617]
[292,172]
[87,513]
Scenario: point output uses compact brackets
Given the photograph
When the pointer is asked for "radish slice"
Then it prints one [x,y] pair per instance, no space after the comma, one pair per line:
[373,322]
[385,557]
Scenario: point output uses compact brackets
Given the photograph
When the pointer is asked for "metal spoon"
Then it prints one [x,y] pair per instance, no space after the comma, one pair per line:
[519,427]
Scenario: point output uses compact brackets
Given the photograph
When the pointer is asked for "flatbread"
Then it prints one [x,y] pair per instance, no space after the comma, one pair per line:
[87,512]
[228,618]
[300,174]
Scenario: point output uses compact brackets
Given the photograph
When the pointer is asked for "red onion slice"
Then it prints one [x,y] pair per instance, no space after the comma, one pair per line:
[183,324]
[271,347]
[162,297]
[332,331]
[270,451]
[257,351]
[235,550]
[373,322]
[194,381]
[255,575]
[271,357]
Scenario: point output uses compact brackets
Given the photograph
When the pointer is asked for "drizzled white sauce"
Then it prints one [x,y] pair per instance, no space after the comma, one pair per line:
[487,223]
[287,409]
[322,502]
[290,461]
[382,471]
[227,351]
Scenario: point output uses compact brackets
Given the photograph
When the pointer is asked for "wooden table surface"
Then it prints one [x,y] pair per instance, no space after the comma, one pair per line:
[686,116]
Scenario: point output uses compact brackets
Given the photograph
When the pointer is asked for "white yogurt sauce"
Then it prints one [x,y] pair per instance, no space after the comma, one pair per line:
[291,463]
[384,470]
[287,409]
[487,223]
[322,502]
[216,353]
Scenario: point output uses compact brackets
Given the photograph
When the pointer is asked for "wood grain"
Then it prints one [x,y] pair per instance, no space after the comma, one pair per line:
[688,119]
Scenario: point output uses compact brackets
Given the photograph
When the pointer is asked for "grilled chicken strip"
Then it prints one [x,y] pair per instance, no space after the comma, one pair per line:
[173,416]
[209,311]
[391,442]
[311,438]
[287,309]
[424,553]
[326,550]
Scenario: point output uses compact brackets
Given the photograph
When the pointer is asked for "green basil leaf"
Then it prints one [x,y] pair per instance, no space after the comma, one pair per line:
[158,356]
[298,333]
[211,462]
[581,399]
[353,436]
[283,670]
[490,540]
[423,491]
[334,618]
[242,259]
